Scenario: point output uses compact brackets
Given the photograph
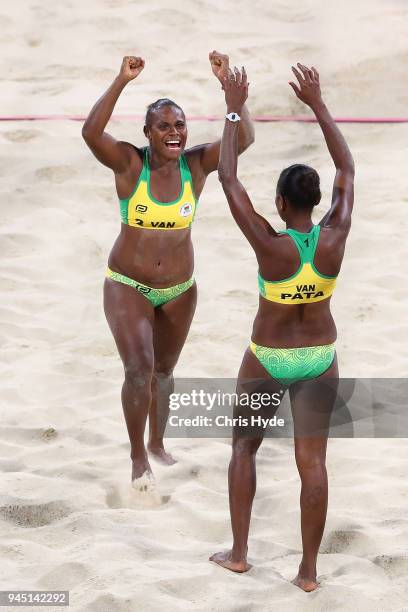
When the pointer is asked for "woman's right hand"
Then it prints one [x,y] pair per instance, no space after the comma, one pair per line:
[131,68]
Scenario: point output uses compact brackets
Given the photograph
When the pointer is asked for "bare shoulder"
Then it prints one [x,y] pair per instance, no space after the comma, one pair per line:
[133,152]
[277,256]
[333,237]
[281,243]
[126,180]
[135,158]
[332,243]
[207,155]
[194,161]
[194,155]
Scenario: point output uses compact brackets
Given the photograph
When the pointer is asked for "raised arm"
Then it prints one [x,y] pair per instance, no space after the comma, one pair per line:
[111,152]
[209,153]
[308,90]
[255,228]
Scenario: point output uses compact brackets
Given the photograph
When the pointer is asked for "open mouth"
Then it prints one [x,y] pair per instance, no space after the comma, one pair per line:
[173,144]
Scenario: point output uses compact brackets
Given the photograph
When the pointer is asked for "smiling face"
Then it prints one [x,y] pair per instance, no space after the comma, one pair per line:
[166,131]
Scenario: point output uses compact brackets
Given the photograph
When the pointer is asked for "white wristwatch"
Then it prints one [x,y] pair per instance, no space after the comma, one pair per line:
[233,117]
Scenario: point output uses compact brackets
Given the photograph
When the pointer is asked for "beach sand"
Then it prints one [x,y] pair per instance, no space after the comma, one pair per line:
[68,517]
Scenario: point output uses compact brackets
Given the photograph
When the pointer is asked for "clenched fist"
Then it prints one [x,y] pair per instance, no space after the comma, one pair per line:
[131,67]
[219,64]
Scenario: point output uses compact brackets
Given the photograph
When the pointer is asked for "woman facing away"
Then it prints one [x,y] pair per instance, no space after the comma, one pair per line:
[149,292]
[294,332]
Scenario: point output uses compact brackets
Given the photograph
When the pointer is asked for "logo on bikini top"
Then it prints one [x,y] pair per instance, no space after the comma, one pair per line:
[186,209]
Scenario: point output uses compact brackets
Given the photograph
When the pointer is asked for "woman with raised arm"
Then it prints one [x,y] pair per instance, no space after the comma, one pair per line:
[149,293]
[294,332]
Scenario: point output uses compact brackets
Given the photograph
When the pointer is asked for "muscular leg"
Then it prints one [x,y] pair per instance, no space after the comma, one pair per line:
[171,325]
[312,403]
[130,317]
[242,468]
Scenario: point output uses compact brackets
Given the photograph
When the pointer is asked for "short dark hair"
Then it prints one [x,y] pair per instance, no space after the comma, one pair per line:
[300,184]
[158,105]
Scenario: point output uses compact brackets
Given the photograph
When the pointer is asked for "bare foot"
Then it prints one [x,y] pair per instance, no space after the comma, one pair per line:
[225,560]
[144,492]
[144,483]
[306,584]
[140,466]
[161,455]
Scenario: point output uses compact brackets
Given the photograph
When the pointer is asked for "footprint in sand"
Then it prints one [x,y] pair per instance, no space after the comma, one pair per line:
[58,71]
[105,193]
[11,465]
[50,90]
[14,245]
[117,4]
[142,493]
[56,174]
[70,575]
[170,17]
[395,566]
[49,434]
[108,601]
[110,23]
[29,436]
[6,22]
[280,11]
[238,294]
[31,41]
[88,437]
[339,540]
[366,313]
[21,135]
[26,514]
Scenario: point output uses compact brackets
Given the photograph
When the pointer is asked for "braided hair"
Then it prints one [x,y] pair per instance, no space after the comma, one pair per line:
[300,184]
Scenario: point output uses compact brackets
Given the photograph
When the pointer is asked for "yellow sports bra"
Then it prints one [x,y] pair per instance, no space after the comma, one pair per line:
[141,209]
[307,285]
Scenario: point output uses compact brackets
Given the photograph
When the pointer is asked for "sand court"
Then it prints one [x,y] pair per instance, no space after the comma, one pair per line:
[68,518]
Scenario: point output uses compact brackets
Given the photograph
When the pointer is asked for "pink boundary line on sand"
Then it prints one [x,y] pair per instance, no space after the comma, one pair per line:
[260,118]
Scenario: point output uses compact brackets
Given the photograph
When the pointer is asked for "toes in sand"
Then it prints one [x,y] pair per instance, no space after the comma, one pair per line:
[225,560]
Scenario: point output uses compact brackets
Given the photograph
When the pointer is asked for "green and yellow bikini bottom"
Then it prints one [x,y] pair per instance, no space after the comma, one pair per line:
[157,297]
[290,365]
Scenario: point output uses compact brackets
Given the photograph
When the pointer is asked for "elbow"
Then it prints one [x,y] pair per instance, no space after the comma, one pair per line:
[222,173]
[227,180]
[348,166]
[85,132]
[245,145]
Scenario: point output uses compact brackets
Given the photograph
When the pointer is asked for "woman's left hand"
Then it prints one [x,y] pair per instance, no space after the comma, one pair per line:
[308,89]
[236,90]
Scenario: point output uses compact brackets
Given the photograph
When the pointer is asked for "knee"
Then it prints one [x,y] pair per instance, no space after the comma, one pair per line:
[313,496]
[242,447]
[138,373]
[308,461]
[163,371]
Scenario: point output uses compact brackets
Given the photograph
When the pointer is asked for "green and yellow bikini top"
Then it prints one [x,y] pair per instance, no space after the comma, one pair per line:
[307,285]
[141,209]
